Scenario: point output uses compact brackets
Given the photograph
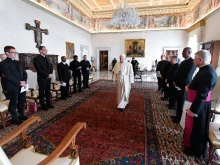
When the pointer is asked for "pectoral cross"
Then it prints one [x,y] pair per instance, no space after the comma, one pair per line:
[37,32]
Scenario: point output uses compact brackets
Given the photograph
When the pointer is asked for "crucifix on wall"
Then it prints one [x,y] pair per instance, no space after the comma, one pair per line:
[37,32]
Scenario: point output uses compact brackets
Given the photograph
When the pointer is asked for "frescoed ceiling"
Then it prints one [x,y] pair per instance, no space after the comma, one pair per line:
[105,8]
[95,15]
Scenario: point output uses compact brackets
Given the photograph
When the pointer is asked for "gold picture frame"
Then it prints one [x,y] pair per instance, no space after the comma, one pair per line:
[70,51]
[135,47]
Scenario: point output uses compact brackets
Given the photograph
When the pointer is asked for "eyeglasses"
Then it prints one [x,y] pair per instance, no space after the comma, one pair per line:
[13,52]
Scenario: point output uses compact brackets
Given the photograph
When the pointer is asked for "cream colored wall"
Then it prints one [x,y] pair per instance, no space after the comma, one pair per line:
[154,43]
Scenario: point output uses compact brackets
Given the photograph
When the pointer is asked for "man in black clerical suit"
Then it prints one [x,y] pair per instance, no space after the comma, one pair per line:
[75,66]
[182,78]
[15,78]
[64,77]
[169,80]
[159,68]
[164,72]
[44,73]
[85,71]
[3,57]
[134,64]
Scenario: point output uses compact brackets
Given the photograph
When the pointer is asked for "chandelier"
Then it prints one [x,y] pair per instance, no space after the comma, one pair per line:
[125,17]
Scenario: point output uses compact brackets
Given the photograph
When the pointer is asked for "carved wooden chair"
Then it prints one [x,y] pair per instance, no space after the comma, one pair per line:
[55,89]
[3,111]
[27,156]
[32,95]
[91,77]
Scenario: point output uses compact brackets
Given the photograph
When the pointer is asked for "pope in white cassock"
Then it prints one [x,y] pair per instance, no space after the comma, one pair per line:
[123,73]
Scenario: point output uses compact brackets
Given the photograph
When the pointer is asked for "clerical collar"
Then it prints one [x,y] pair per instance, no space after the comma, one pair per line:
[64,63]
[42,55]
[203,66]
[11,58]
[187,58]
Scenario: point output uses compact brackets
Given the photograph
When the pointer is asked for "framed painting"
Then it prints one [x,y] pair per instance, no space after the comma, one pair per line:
[172,51]
[135,47]
[70,51]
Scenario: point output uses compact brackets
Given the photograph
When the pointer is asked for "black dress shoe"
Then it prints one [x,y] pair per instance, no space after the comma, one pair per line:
[17,122]
[121,109]
[80,90]
[23,117]
[44,108]
[63,98]
[164,98]
[69,96]
[188,152]
[87,87]
[171,108]
[176,120]
[50,106]
[172,117]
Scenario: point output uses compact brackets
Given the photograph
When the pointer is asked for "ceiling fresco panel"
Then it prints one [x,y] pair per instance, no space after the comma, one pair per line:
[103,2]
[90,3]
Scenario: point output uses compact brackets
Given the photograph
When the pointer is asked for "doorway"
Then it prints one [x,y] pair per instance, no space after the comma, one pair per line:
[103,55]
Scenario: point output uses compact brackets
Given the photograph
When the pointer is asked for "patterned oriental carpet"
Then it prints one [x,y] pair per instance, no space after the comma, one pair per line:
[142,135]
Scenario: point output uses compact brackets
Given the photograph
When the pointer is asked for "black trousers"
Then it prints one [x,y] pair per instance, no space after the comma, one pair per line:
[17,100]
[172,95]
[159,82]
[44,91]
[75,78]
[65,90]
[85,78]
[181,97]
[165,89]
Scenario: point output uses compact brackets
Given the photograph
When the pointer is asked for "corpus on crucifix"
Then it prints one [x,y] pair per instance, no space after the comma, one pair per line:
[37,32]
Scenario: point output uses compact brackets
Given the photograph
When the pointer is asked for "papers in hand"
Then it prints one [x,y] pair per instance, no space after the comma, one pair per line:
[63,84]
[178,88]
[186,106]
[24,89]
[217,135]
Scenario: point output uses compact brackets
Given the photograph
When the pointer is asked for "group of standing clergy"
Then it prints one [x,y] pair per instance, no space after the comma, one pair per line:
[178,85]
[14,77]
[78,69]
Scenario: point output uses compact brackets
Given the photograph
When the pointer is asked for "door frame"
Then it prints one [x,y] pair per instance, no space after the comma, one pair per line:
[100,59]
[98,49]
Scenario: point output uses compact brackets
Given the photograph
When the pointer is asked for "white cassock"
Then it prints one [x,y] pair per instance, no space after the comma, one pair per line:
[123,73]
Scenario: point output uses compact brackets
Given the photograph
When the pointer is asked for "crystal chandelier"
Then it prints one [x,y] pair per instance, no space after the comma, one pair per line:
[125,17]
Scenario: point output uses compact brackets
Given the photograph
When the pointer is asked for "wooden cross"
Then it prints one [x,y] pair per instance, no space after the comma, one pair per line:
[37,32]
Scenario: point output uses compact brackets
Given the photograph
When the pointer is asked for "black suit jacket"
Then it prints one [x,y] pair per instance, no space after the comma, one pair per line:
[63,72]
[171,72]
[184,74]
[43,68]
[13,73]
[85,65]
[74,66]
